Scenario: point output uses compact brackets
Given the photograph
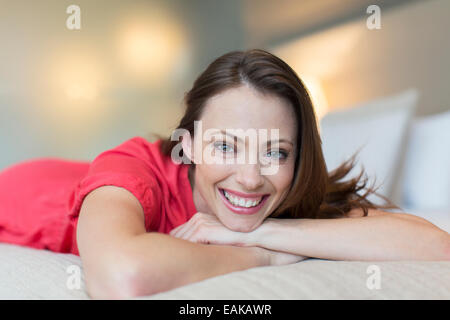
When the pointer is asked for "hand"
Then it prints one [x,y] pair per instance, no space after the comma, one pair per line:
[207,229]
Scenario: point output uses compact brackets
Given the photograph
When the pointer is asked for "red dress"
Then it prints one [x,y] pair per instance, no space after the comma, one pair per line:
[40,199]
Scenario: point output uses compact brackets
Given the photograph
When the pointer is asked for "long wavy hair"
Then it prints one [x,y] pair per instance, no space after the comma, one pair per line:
[314,192]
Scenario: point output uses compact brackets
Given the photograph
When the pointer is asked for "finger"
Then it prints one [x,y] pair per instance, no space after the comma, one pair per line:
[179,231]
[191,228]
[175,231]
[188,233]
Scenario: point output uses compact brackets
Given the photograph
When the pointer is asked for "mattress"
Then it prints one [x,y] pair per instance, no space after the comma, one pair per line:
[27,273]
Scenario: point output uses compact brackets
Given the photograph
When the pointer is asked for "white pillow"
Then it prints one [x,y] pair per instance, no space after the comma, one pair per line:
[426,176]
[379,128]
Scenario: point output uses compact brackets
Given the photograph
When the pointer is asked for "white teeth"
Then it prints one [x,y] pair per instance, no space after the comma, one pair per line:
[249,203]
[240,201]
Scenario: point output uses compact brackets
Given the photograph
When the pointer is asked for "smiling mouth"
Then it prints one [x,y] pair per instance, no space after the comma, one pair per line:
[242,205]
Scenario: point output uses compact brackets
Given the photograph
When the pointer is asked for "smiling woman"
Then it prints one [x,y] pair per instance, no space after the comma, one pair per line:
[255,90]
[246,109]
[143,223]
[294,209]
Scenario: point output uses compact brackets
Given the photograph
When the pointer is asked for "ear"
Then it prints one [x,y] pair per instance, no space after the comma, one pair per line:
[187,145]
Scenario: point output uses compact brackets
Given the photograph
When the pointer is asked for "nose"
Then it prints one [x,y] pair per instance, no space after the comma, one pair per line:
[249,175]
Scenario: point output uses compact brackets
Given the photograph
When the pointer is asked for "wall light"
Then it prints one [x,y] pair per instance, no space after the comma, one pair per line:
[151,46]
[317,95]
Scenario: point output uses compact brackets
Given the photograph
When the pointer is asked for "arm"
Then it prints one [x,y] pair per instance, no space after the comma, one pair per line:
[380,236]
[121,260]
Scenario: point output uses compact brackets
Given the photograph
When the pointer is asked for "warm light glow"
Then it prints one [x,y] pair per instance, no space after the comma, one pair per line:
[72,90]
[77,76]
[321,55]
[73,87]
[78,91]
[317,95]
[152,46]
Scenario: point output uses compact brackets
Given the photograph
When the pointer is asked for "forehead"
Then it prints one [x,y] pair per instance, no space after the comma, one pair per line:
[245,108]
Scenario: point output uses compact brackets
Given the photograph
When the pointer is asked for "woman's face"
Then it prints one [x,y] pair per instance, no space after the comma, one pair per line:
[239,193]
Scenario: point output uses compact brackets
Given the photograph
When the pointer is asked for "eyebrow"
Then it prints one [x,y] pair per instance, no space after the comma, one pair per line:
[238,138]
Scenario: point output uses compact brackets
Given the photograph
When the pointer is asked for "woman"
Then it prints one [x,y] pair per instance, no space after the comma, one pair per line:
[211,217]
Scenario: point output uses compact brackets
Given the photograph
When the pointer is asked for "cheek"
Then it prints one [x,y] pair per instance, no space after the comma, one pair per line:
[210,174]
[283,179]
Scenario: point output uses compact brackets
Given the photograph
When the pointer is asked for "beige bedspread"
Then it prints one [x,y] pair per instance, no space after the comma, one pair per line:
[34,274]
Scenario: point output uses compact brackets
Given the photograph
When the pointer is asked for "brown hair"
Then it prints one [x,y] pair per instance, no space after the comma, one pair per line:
[314,193]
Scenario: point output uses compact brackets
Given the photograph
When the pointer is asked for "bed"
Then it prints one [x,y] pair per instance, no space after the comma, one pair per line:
[27,273]
[417,177]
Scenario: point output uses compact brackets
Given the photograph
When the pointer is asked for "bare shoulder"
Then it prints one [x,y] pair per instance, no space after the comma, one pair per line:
[107,213]
[358,213]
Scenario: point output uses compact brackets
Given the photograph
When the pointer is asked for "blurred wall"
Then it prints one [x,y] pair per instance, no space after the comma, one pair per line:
[74,93]
[354,64]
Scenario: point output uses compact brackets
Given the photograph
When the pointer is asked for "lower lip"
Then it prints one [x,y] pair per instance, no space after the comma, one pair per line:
[242,210]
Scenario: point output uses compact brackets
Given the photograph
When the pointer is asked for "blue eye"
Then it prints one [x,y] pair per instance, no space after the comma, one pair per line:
[226,148]
[280,154]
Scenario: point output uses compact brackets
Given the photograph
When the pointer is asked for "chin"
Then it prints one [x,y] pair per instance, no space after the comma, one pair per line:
[239,226]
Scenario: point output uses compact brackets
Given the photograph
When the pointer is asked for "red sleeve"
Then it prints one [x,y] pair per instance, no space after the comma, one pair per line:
[126,166]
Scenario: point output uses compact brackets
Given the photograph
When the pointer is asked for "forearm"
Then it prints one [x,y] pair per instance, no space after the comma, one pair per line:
[163,262]
[388,237]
